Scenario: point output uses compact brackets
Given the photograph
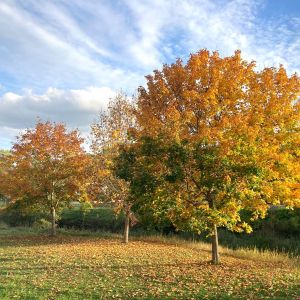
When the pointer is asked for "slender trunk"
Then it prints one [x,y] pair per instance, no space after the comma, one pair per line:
[53,227]
[83,221]
[215,246]
[126,227]
[214,237]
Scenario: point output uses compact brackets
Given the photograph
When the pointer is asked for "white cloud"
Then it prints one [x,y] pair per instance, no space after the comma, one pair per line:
[77,108]
[8,135]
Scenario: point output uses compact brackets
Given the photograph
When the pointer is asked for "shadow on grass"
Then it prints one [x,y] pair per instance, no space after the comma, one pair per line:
[28,237]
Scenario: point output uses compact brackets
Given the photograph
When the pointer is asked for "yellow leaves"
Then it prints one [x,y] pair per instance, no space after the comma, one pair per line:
[110,130]
[267,191]
[214,93]
[292,202]
[104,173]
[115,128]
[115,134]
[246,227]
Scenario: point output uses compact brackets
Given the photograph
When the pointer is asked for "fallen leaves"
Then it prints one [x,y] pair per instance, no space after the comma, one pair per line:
[38,267]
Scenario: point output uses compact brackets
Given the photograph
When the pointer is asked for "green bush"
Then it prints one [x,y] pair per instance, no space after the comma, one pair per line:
[17,215]
[42,224]
[3,225]
[284,221]
[148,222]
[102,218]
[279,231]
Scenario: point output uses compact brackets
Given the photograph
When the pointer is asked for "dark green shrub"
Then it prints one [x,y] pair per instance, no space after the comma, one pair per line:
[284,221]
[16,215]
[102,218]
[147,221]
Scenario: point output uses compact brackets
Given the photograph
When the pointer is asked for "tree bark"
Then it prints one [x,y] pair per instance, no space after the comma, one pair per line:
[126,227]
[215,246]
[53,227]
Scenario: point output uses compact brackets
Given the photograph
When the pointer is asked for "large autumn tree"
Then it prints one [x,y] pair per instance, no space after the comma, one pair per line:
[46,165]
[109,133]
[219,137]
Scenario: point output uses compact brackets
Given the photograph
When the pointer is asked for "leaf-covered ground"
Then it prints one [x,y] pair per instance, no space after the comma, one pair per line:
[89,267]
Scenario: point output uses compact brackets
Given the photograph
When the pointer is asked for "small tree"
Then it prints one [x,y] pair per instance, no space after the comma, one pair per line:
[222,138]
[47,165]
[3,154]
[111,131]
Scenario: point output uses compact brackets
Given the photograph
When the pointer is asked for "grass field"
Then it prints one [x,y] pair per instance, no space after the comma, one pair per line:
[74,266]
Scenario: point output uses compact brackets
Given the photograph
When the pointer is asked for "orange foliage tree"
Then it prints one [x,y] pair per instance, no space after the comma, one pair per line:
[219,137]
[46,165]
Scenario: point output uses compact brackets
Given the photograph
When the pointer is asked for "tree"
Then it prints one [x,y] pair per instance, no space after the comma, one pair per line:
[47,166]
[3,154]
[111,131]
[221,137]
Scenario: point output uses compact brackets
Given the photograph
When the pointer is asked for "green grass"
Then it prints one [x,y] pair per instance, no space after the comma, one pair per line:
[80,265]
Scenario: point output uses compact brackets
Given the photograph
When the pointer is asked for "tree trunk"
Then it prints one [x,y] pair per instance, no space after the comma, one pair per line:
[126,227]
[53,227]
[215,246]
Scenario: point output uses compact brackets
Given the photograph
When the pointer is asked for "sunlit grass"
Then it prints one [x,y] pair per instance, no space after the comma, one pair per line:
[81,265]
[244,253]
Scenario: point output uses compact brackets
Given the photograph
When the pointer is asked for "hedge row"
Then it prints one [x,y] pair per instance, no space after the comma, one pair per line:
[94,219]
[281,222]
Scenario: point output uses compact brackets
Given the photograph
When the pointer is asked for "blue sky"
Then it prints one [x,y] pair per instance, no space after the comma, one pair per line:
[61,60]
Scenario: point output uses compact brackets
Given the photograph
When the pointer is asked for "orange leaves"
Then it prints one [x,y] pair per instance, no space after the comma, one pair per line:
[47,163]
[212,92]
[202,88]
[237,134]
[70,267]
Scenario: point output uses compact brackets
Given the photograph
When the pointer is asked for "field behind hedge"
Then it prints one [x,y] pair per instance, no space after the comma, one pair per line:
[92,266]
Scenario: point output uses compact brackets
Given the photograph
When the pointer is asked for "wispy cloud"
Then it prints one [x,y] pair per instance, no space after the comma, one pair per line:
[39,57]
